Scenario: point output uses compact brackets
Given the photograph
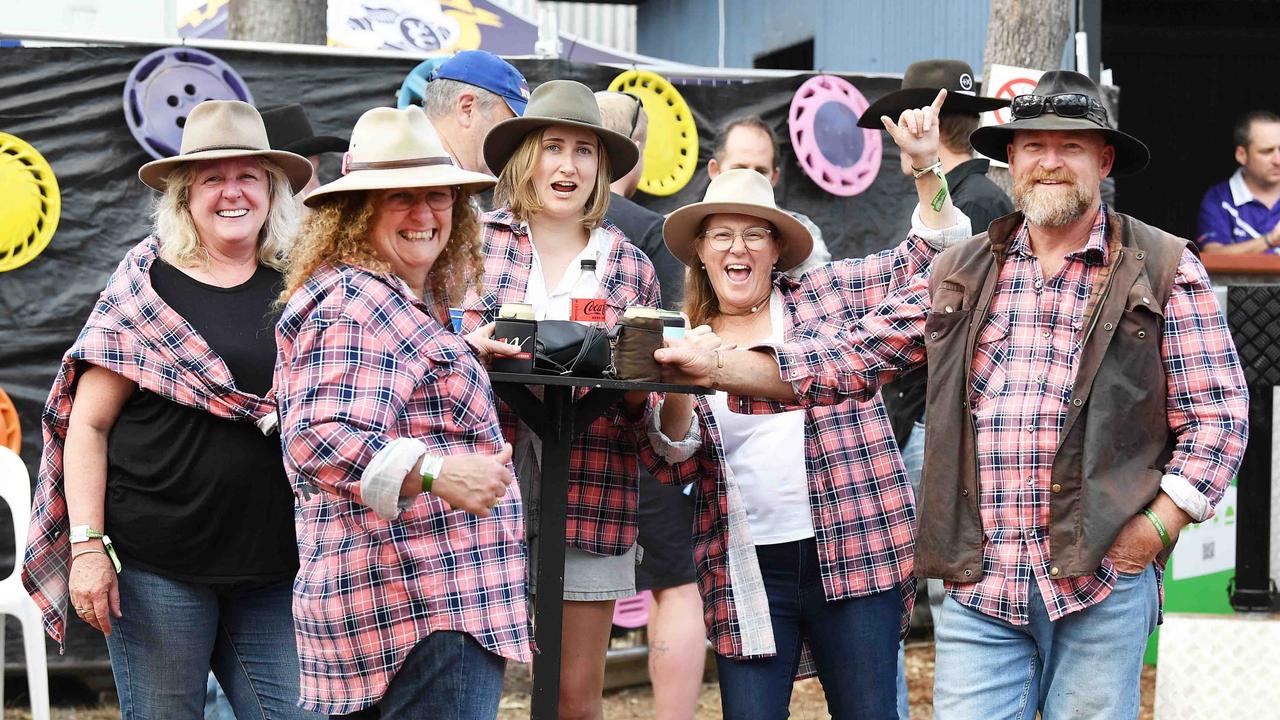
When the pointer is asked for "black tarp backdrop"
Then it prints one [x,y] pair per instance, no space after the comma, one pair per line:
[67,103]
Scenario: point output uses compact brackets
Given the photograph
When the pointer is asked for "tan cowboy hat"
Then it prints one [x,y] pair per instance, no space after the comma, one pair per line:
[559,102]
[397,149]
[743,192]
[218,129]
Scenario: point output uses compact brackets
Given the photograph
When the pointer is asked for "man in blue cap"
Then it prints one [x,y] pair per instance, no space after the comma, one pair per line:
[470,93]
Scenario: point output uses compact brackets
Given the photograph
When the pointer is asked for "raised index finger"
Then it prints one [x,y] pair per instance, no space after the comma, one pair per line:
[937,102]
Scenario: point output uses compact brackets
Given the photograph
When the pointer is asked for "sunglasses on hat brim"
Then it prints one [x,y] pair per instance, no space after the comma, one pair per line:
[1067,105]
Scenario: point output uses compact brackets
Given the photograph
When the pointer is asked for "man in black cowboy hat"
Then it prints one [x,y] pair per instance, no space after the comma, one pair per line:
[288,129]
[971,191]
[1085,402]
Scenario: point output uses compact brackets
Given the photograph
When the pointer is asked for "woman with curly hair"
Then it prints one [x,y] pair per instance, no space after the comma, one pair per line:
[410,594]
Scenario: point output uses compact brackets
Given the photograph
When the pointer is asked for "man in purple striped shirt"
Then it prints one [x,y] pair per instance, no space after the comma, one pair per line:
[1242,213]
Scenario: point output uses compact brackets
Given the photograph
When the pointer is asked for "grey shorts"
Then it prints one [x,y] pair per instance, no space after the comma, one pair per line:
[594,577]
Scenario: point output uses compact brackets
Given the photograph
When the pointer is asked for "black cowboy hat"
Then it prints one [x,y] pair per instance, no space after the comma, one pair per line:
[993,140]
[288,129]
[920,85]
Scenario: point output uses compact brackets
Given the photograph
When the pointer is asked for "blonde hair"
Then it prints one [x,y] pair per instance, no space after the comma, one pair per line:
[516,191]
[701,303]
[175,229]
[337,233]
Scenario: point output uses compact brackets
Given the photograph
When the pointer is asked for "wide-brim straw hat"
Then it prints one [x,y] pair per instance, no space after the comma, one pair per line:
[920,85]
[220,129]
[559,102]
[993,140]
[744,192]
[397,149]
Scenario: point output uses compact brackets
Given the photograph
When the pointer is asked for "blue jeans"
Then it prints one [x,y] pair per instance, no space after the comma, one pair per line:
[1085,666]
[448,675]
[174,632]
[854,644]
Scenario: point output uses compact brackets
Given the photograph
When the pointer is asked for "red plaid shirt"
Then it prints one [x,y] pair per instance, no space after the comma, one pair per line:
[859,495]
[363,362]
[133,333]
[1023,370]
[603,475]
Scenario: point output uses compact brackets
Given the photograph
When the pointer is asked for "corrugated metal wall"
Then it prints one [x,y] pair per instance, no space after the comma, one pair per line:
[854,35]
[604,24]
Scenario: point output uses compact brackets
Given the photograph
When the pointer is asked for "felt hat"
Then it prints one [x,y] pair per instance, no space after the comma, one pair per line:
[559,102]
[993,140]
[219,129]
[744,192]
[920,85]
[393,148]
[289,129]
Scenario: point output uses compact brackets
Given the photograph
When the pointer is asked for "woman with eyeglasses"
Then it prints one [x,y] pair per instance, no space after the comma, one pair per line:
[549,246]
[803,520]
[410,595]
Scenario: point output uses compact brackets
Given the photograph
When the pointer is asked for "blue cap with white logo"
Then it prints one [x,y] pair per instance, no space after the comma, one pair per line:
[488,71]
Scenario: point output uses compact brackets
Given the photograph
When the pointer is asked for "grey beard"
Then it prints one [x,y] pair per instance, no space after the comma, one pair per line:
[1051,209]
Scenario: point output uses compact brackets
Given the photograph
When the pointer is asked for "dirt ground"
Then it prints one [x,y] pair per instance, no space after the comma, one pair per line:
[807,702]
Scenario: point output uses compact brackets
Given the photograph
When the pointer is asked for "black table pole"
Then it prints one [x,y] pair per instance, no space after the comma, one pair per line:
[556,419]
[547,511]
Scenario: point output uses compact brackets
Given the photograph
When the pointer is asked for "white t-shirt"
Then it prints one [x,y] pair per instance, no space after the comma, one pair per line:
[764,456]
[558,303]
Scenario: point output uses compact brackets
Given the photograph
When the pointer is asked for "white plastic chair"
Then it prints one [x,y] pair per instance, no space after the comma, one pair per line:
[15,488]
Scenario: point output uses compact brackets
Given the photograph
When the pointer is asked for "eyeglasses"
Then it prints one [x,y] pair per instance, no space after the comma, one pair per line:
[635,115]
[439,198]
[1067,105]
[754,238]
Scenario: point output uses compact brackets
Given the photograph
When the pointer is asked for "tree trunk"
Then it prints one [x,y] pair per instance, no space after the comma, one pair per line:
[1025,33]
[283,21]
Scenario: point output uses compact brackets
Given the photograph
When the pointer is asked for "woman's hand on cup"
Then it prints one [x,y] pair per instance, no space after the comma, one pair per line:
[692,360]
[486,348]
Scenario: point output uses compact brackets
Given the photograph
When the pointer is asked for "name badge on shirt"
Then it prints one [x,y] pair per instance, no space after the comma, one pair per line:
[586,310]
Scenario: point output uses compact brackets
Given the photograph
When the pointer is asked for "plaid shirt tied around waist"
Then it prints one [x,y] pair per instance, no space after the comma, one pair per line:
[133,333]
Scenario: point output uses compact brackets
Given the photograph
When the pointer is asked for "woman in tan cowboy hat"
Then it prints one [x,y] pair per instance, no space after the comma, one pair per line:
[411,592]
[548,245]
[803,520]
[178,519]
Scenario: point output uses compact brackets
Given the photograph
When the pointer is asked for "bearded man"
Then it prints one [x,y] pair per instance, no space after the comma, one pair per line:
[1085,402]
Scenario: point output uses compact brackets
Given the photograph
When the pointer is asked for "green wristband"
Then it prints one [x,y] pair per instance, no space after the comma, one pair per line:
[1159,525]
[431,465]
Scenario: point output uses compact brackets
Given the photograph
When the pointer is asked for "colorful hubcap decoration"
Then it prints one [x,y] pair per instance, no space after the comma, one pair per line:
[31,206]
[833,151]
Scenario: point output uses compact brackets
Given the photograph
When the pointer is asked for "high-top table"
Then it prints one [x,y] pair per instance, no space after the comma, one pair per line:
[557,419]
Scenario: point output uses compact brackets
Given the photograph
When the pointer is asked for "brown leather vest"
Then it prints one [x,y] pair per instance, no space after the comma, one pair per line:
[1115,441]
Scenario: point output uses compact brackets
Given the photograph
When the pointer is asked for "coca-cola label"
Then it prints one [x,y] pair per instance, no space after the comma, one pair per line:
[587,310]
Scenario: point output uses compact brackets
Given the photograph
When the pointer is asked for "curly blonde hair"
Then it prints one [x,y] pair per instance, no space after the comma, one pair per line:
[337,232]
[175,230]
